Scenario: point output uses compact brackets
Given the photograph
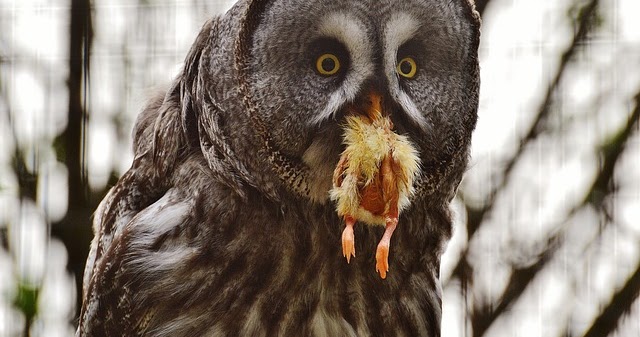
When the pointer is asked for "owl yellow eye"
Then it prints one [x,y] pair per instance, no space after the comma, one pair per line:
[327,64]
[407,67]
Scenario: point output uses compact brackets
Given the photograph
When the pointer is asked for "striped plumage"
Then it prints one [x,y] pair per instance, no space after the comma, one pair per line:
[223,226]
[283,277]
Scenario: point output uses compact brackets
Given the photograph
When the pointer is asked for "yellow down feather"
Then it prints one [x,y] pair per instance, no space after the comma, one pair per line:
[367,143]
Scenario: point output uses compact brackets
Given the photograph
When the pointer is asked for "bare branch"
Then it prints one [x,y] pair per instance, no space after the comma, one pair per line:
[476,216]
[618,307]
[483,317]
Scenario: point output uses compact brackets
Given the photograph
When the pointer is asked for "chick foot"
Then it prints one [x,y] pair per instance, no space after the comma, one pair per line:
[382,252]
[382,259]
[348,241]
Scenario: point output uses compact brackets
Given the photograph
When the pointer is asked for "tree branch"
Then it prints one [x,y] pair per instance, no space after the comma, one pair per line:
[618,307]
[520,279]
[476,216]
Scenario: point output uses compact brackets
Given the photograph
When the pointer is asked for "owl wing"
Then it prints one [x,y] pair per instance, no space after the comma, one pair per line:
[139,277]
[110,283]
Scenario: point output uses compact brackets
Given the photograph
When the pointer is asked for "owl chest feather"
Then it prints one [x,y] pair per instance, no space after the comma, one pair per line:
[257,268]
[279,272]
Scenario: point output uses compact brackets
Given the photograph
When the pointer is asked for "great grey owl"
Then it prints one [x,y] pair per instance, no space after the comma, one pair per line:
[225,225]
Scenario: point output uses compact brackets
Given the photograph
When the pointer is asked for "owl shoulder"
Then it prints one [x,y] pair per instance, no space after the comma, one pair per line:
[143,254]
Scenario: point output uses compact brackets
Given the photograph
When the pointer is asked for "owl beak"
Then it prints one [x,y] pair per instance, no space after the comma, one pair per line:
[371,106]
[374,108]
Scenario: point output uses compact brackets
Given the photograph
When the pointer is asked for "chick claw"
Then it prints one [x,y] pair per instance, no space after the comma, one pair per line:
[348,247]
[348,242]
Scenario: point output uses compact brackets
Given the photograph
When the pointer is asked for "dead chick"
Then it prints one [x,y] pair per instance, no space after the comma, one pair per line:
[374,177]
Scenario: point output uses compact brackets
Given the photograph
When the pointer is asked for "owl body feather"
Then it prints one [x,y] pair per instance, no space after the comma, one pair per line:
[223,225]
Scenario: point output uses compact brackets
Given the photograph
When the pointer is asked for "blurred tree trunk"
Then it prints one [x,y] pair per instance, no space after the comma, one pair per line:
[75,229]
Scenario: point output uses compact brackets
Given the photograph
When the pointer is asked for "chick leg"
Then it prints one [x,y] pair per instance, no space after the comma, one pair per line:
[348,243]
[382,253]
[390,193]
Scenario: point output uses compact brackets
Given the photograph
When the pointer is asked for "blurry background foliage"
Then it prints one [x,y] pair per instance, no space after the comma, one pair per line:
[547,237]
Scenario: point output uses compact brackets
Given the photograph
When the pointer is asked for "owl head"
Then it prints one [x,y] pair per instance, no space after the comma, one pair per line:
[266,88]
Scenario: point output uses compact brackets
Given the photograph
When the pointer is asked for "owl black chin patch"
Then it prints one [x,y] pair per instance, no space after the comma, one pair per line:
[404,125]
[340,116]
